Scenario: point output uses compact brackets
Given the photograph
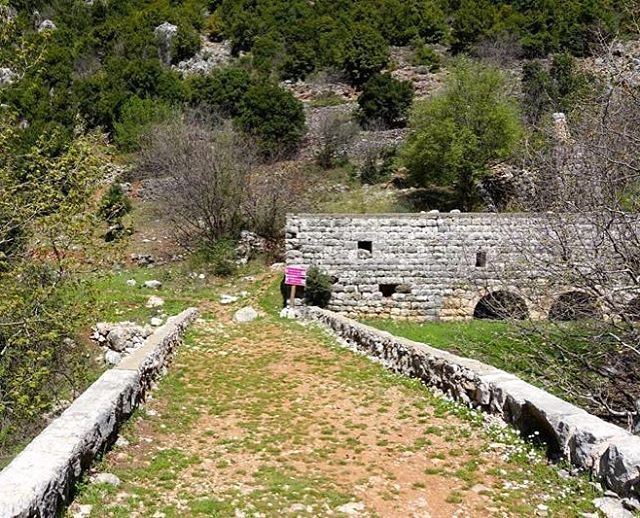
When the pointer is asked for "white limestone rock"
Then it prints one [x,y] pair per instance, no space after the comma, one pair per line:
[246,314]
[112,357]
[153,284]
[154,302]
[228,299]
[106,478]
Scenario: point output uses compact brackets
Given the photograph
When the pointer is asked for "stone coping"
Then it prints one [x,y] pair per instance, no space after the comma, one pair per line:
[41,479]
[609,453]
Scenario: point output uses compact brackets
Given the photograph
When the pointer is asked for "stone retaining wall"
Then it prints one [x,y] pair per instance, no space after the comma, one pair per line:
[40,480]
[610,453]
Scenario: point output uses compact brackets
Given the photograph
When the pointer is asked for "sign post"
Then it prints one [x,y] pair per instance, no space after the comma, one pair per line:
[295,276]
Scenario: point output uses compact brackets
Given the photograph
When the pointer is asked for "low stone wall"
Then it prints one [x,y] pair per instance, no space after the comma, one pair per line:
[610,453]
[41,478]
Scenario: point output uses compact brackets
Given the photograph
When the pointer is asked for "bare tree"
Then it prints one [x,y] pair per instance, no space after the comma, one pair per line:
[585,254]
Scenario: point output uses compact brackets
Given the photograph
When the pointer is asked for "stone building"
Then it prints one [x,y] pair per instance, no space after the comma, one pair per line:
[445,266]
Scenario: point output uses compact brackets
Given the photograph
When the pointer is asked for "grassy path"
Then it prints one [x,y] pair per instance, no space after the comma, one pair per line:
[273,418]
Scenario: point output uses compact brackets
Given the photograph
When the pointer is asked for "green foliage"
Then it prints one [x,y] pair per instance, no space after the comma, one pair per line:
[317,291]
[366,54]
[558,89]
[378,166]
[186,43]
[115,204]
[136,118]
[273,117]
[221,91]
[425,56]
[385,100]
[220,257]
[47,192]
[456,134]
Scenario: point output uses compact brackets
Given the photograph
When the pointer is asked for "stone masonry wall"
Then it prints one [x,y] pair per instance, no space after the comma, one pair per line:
[428,259]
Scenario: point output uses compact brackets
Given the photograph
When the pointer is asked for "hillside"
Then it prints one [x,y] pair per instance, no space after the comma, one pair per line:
[176,134]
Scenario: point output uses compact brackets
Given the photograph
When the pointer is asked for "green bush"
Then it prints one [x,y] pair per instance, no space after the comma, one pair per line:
[221,91]
[273,117]
[115,204]
[456,134]
[220,257]
[136,118]
[385,100]
[317,291]
[186,43]
[378,166]
[425,56]
[366,53]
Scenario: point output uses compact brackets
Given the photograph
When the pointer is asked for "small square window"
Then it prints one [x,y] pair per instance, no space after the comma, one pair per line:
[481,259]
[365,245]
[388,290]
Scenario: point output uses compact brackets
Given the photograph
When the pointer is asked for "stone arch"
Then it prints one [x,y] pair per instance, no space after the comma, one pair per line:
[574,305]
[501,305]
[632,310]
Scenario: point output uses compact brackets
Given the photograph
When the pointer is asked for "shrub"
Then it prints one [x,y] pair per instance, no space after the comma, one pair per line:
[273,117]
[115,204]
[385,100]
[425,56]
[457,133]
[378,166]
[317,291]
[186,43]
[337,131]
[366,54]
[136,118]
[222,90]
[220,257]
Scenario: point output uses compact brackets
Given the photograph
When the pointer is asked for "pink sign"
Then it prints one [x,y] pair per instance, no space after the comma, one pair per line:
[295,275]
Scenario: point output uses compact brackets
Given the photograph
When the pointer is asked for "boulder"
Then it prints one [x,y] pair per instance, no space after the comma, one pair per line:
[228,299]
[46,25]
[612,507]
[165,34]
[156,322]
[153,284]
[131,283]
[246,314]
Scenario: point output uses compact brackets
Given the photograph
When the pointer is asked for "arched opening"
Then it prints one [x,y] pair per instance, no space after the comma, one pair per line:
[574,305]
[632,311]
[501,305]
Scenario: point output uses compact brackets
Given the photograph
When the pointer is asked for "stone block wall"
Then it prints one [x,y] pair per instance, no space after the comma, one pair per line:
[428,265]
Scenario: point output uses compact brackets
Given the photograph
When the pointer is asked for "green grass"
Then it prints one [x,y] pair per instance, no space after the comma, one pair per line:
[516,348]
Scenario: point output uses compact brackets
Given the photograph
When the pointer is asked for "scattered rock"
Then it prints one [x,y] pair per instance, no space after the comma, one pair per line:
[81,511]
[228,299]
[277,267]
[153,284]
[248,245]
[112,357]
[120,336]
[7,76]
[291,313]
[122,442]
[612,507]
[351,509]
[143,259]
[246,314]
[46,25]
[154,302]
[156,322]
[106,478]
[131,282]
[212,54]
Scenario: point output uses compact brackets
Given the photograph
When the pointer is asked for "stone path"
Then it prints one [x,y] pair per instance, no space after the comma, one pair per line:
[271,418]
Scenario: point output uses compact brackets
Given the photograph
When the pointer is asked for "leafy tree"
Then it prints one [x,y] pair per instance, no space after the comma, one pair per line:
[136,117]
[386,100]
[456,134]
[366,53]
[115,204]
[222,90]
[273,117]
[537,90]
